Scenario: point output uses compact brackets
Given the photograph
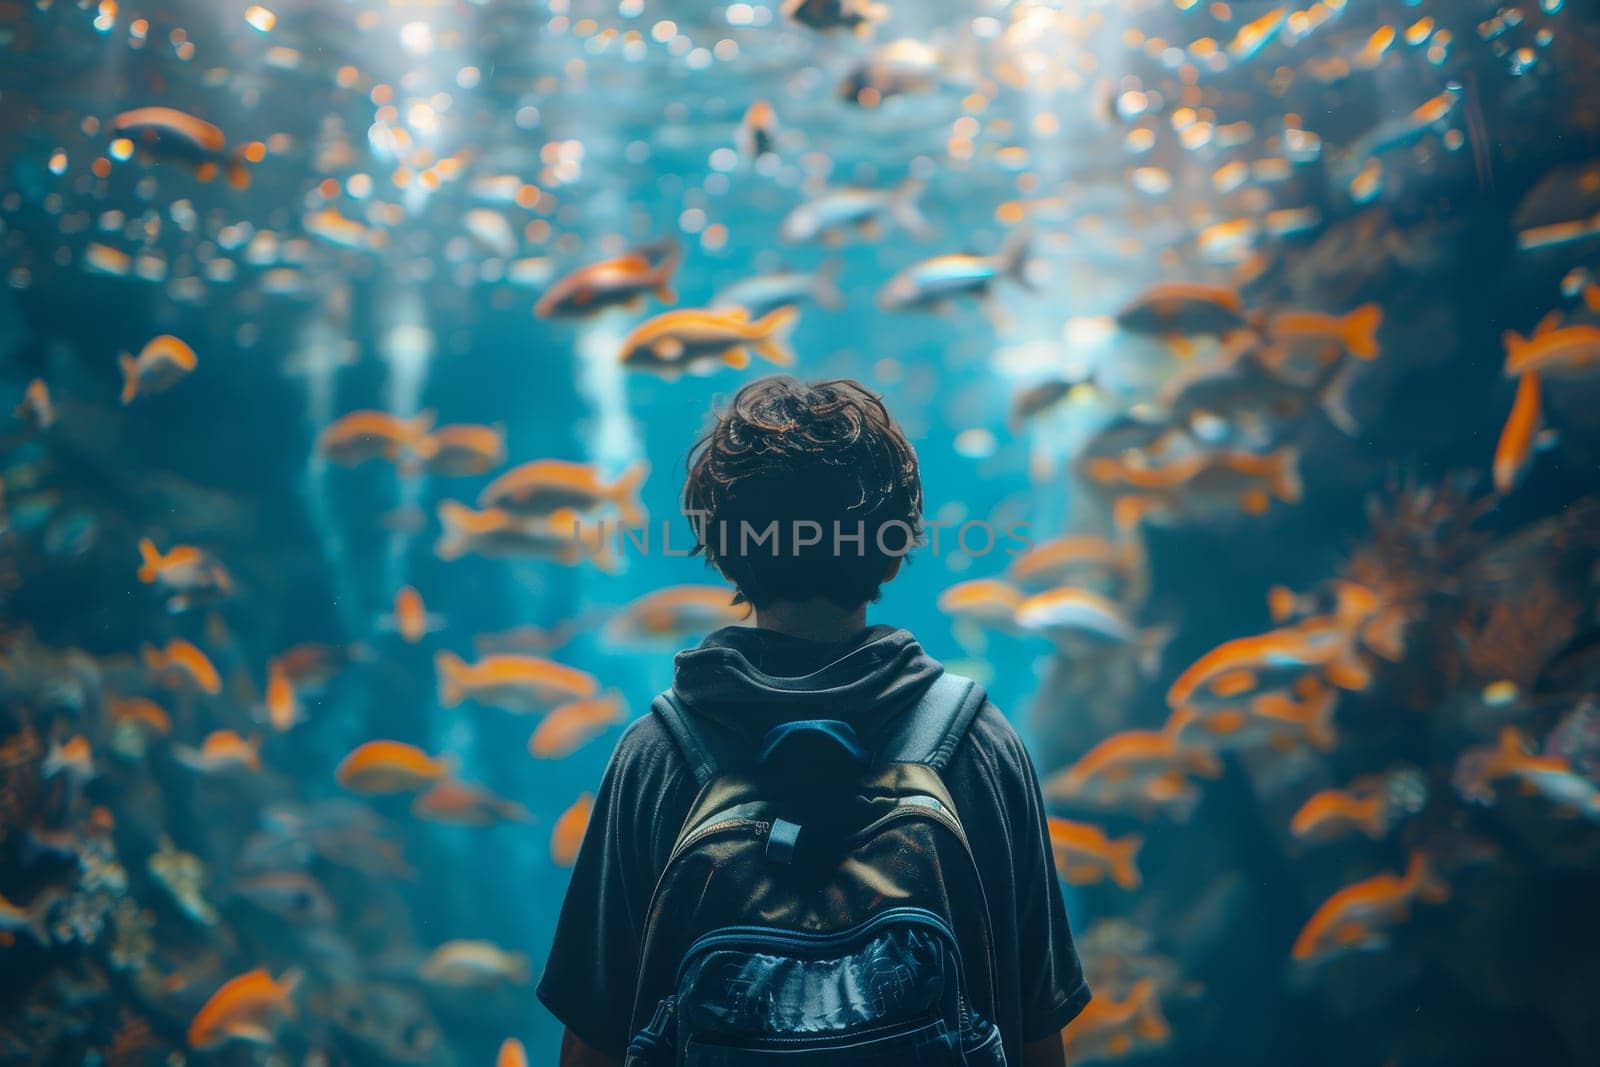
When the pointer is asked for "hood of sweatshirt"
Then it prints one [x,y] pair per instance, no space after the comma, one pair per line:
[746,680]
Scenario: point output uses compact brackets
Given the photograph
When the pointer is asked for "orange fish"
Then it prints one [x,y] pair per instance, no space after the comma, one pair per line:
[197,130]
[36,408]
[282,705]
[1135,752]
[71,757]
[1358,916]
[1333,813]
[183,568]
[1084,855]
[143,711]
[1282,603]
[1183,309]
[987,602]
[1514,451]
[1550,776]
[1564,352]
[1301,347]
[692,338]
[169,132]
[158,367]
[498,534]
[1138,769]
[246,1008]
[103,259]
[345,232]
[676,613]
[1073,558]
[1379,625]
[381,767]
[465,449]
[410,618]
[450,801]
[523,684]
[621,280]
[222,750]
[1082,623]
[182,664]
[1247,480]
[473,964]
[758,131]
[530,638]
[1110,1028]
[511,1054]
[1282,719]
[1350,602]
[567,834]
[1260,662]
[546,487]
[366,435]
[566,728]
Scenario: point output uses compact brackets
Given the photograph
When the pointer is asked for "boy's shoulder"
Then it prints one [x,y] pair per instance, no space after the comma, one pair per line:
[994,751]
[645,746]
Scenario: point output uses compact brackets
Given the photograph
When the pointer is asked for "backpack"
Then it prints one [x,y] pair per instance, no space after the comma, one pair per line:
[821,904]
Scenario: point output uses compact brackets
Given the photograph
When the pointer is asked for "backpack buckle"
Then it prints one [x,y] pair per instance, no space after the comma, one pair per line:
[782,839]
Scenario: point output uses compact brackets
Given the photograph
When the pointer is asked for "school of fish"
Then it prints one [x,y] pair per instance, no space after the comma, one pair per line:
[352,352]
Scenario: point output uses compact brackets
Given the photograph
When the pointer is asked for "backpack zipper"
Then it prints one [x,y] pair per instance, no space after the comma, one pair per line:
[906,915]
[854,1035]
[759,826]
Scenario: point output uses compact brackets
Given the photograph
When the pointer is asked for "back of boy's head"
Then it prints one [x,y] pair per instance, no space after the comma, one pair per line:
[787,463]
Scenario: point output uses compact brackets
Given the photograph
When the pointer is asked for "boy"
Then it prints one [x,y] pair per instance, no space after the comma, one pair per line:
[825,470]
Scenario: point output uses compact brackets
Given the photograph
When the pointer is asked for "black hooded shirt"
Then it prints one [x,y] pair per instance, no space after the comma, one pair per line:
[744,681]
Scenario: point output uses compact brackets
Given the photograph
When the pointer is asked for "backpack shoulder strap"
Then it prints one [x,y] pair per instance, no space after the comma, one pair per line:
[929,731]
[675,719]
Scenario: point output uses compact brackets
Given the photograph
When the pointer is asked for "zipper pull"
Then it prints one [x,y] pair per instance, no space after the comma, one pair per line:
[655,1043]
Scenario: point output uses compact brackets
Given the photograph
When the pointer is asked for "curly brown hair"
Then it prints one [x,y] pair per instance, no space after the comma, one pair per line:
[823,471]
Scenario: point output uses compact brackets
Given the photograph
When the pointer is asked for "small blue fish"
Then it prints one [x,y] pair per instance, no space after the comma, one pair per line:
[827,215]
[766,293]
[932,283]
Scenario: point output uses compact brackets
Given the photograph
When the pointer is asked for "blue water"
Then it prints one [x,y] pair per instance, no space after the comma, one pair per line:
[1028,121]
